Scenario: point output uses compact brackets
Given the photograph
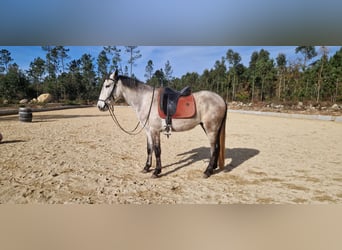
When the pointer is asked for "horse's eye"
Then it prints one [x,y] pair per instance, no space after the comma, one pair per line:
[107,86]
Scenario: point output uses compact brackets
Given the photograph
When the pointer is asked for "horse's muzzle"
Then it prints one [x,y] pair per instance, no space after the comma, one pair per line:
[102,106]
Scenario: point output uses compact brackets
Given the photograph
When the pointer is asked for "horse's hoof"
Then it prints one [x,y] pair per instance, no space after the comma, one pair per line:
[154,176]
[144,171]
[206,176]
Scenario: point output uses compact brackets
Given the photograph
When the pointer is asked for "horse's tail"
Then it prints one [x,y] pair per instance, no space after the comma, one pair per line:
[222,141]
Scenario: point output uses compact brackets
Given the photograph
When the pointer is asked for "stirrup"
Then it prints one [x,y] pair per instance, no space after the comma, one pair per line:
[167,131]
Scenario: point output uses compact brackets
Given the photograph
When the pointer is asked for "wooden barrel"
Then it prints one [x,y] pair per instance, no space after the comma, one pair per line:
[25,115]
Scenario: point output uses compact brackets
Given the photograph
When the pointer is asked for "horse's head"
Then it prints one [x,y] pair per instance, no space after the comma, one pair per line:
[108,91]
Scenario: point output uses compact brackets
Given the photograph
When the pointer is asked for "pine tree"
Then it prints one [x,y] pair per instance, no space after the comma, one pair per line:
[233,59]
[36,71]
[323,61]
[168,71]
[88,73]
[134,55]
[149,70]
[102,65]
[114,53]
[49,65]
[61,56]
[281,64]
[5,59]
[308,52]
[252,71]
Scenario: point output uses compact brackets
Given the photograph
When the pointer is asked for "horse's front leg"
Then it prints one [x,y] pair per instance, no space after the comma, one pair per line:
[149,153]
[157,152]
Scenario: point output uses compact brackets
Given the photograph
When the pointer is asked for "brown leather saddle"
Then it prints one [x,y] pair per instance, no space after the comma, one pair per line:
[175,104]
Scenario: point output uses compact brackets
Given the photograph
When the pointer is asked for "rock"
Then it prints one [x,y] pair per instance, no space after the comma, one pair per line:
[44,98]
[23,101]
[5,102]
[310,107]
[335,107]
[34,100]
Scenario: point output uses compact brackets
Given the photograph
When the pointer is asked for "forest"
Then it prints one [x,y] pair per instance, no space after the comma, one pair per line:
[265,79]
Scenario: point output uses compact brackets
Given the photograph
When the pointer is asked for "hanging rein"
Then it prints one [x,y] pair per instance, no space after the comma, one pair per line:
[115,119]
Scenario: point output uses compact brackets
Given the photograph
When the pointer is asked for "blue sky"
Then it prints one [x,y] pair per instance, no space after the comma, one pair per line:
[183,59]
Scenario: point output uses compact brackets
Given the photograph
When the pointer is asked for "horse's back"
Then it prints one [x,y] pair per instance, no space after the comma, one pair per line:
[208,101]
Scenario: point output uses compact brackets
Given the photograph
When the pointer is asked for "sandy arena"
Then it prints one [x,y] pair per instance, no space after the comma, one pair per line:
[80,156]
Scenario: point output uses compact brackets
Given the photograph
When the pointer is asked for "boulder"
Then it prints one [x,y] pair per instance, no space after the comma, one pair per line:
[335,107]
[44,98]
[279,106]
[23,101]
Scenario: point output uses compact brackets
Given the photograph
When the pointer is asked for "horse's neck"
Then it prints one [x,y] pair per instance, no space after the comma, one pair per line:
[134,96]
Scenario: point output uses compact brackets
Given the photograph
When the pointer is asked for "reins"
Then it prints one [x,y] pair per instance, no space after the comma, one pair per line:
[133,131]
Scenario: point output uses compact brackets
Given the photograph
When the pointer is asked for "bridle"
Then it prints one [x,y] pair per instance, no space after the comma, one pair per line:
[112,114]
[111,93]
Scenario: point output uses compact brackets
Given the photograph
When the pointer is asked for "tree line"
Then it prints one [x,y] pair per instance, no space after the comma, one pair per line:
[268,79]
[65,78]
[314,77]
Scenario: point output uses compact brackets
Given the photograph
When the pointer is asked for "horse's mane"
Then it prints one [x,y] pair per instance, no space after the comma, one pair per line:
[131,82]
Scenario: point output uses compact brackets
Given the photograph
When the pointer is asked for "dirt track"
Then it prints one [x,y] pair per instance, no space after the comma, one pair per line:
[79,156]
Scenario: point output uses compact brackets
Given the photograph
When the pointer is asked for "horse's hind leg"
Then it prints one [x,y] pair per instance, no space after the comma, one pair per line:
[214,150]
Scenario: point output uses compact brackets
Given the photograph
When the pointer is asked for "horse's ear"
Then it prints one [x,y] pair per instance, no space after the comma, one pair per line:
[116,75]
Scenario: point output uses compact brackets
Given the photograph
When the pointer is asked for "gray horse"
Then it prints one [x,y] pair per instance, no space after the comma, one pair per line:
[211,112]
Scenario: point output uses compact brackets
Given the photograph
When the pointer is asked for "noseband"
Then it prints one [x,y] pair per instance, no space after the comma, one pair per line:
[111,93]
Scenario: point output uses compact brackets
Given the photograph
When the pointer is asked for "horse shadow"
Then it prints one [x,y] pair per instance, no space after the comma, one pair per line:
[237,155]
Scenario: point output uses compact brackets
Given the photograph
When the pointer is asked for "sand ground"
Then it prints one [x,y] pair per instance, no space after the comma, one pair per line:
[80,156]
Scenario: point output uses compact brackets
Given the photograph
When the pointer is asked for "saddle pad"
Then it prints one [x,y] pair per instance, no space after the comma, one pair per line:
[186,108]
